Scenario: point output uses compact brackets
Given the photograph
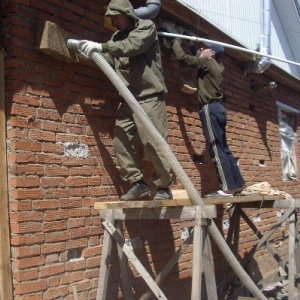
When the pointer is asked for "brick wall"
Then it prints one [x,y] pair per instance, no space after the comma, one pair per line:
[56,235]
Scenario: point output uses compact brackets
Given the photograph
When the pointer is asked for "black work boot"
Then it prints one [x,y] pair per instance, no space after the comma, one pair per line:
[163,194]
[138,189]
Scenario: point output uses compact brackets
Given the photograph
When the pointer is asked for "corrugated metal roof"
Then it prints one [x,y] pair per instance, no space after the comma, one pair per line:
[241,20]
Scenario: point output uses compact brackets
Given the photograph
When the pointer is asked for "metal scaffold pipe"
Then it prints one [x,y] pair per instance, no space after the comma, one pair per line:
[161,145]
[198,39]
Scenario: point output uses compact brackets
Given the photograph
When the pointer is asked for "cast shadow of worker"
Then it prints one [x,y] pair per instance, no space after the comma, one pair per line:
[99,119]
[199,155]
[235,289]
[157,247]
[98,106]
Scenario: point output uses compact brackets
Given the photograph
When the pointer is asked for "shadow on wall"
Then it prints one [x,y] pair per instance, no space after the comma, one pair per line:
[98,119]
[155,248]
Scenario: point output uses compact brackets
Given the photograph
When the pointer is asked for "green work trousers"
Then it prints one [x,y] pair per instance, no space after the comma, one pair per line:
[127,126]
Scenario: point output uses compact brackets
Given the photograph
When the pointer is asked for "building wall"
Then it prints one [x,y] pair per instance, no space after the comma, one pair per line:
[243,21]
[60,120]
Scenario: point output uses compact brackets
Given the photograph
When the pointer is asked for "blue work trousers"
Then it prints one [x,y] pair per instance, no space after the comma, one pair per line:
[214,118]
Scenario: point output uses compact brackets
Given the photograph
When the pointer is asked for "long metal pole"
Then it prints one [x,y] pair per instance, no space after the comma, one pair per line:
[198,39]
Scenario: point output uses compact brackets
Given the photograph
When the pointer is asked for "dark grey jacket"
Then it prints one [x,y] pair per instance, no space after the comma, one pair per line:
[209,77]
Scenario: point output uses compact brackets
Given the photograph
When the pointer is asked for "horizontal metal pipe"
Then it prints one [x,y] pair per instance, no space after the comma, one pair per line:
[198,39]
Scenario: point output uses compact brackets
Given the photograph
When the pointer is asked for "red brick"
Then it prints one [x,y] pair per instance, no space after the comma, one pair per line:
[83,285]
[28,227]
[25,263]
[24,205]
[35,296]
[54,281]
[24,182]
[41,135]
[53,247]
[56,215]
[79,232]
[16,134]
[77,181]
[24,122]
[75,265]
[52,148]
[79,243]
[22,110]
[93,262]
[26,216]
[49,182]
[54,226]
[71,202]
[70,277]
[57,236]
[44,204]
[27,239]
[31,286]
[52,270]
[23,194]
[80,212]
[26,251]
[91,251]
[76,222]
[28,169]
[55,293]
[56,171]
[48,158]
[26,275]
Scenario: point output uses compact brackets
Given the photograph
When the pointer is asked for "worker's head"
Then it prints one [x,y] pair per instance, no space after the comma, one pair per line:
[122,14]
[212,50]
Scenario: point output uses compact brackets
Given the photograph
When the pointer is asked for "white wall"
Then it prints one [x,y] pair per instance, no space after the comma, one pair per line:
[241,19]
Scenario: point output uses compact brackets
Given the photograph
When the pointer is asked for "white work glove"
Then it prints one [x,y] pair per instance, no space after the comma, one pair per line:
[87,47]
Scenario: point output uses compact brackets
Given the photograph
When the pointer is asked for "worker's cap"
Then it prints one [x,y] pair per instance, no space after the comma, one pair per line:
[217,48]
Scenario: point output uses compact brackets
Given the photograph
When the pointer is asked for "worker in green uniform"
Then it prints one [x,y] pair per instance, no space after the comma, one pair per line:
[134,52]
[207,60]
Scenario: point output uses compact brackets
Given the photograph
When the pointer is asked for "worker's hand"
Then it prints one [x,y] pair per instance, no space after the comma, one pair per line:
[186,41]
[87,47]
[168,38]
[192,45]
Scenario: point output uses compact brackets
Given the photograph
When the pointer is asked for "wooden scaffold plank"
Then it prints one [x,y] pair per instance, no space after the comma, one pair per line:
[163,213]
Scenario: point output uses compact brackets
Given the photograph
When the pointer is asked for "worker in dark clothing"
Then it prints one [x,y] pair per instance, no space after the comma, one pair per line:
[134,52]
[212,113]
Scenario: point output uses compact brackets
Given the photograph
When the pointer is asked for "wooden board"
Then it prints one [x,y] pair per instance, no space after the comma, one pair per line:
[186,201]
[241,199]
[141,204]
[162,213]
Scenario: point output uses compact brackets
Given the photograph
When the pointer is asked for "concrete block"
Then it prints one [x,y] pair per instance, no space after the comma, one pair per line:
[52,40]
